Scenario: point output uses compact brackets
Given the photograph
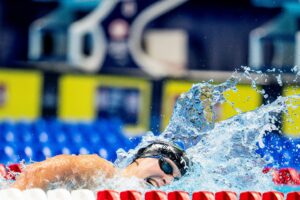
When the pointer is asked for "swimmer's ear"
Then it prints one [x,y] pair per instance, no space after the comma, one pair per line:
[136,162]
[140,152]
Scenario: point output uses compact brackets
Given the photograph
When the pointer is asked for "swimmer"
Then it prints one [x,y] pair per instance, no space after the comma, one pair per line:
[158,164]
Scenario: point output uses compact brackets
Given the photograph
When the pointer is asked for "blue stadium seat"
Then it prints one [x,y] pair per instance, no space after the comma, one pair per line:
[84,150]
[44,138]
[64,150]
[39,125]
[100,126]
[69,127]
[281,149]
[25,153]
[76,137]
[94,138]
[112,140]
[8,133]
[106,153]
[103,152]
[6,126]
[54,125]
[42,152]
[22,126]
[85,128]
[10,154]
[26,136]
[61,137]
[115,124]
[69,147]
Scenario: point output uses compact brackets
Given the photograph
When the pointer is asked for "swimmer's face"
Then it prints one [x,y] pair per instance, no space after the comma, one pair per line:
[157,171]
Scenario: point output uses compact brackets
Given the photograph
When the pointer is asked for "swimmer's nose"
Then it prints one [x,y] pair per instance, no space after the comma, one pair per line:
[168,179]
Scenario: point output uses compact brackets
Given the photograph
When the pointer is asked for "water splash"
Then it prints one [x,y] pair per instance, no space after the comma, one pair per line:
[223,153]
[194,112]
[225,156]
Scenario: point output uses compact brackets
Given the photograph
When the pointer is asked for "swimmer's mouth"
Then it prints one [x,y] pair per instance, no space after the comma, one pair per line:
[152,182]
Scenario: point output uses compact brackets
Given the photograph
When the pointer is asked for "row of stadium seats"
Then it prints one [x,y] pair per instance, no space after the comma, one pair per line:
[48,137]
[44,138]
[280,151]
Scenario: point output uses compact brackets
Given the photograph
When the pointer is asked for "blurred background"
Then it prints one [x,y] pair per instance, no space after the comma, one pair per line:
[84,76]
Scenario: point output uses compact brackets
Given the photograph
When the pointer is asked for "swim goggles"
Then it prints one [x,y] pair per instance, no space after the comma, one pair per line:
[164,165]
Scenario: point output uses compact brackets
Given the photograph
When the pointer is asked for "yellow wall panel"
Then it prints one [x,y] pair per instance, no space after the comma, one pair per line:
[78,96]
[291,120]
[21,94]
[244,99]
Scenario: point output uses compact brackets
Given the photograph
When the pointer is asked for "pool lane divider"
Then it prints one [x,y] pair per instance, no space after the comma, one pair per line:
[156,195]
[84,194]
[200,195]
[108,195]
[131,195]
[178,195]
[203,195]
[250,195]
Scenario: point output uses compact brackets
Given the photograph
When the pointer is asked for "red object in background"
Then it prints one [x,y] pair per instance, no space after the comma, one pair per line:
[131,195]
[266,170]
[286,176]
[203,195]
[293,196]
[225,195]
[108,195]
[15,168]
[12,170]
[273,195]
[178,195]
[250,195]
[156,195]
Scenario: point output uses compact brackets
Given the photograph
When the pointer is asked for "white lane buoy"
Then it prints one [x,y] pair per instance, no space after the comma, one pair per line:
[59,194]
[34,194]
[82,194]
[11,194]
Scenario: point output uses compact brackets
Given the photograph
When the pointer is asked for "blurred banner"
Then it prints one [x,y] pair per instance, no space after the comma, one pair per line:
[290,122]
[243,100]
[89,97]
[20,94]
[110,33]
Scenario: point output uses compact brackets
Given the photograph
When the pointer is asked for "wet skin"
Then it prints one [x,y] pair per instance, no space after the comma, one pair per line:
[149,170]
[83,167]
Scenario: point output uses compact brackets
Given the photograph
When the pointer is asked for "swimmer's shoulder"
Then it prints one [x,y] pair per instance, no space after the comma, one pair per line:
[93,163]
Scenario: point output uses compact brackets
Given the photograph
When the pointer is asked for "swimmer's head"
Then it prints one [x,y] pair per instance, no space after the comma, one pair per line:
[166,150]
[159,163]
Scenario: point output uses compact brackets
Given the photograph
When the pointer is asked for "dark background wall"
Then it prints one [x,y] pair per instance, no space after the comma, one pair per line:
[218,30]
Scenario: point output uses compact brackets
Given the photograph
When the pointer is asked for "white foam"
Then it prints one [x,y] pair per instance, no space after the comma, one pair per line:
[34,194]
[82,194]
[11,194]
[59,194]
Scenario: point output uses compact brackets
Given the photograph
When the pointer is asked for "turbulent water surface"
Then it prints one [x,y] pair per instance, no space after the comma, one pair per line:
[223,153]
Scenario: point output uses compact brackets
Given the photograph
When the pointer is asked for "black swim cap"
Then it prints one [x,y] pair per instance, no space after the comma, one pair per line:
[167,150]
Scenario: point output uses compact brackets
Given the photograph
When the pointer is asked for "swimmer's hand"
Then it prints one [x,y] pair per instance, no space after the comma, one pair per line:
[60,168]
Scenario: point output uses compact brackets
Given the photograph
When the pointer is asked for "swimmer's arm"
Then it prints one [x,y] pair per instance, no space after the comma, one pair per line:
[58,168]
